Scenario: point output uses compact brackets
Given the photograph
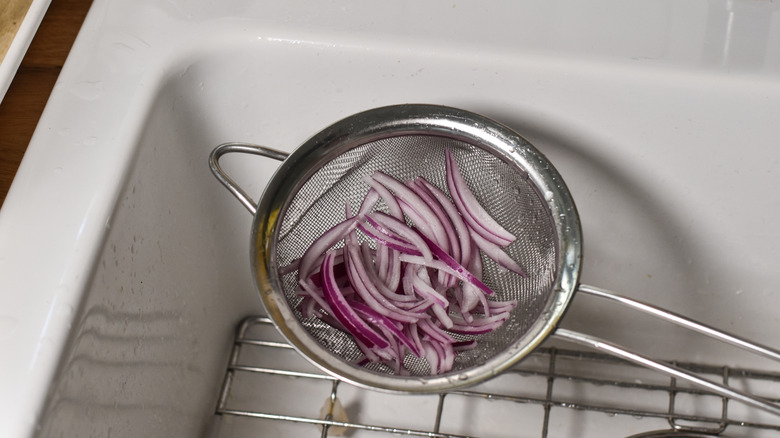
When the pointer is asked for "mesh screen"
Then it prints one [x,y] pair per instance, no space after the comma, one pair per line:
[502,189]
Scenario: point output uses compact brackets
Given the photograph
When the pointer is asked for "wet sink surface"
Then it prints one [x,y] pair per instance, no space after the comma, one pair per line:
[124,265]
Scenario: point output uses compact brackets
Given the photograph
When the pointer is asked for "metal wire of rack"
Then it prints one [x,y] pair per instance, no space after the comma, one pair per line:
[686,411]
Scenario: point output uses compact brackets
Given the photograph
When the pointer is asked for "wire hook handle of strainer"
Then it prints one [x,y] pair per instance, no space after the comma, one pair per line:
[376,126]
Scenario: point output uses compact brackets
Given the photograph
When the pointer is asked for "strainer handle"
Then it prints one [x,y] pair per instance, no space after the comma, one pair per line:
[671,370]
[227,181]
[683,321]
[618,351]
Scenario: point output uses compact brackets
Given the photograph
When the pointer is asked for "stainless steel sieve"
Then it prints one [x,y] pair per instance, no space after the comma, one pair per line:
[511,179]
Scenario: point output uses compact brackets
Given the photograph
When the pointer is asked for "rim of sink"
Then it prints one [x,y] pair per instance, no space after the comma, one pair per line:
[60,205]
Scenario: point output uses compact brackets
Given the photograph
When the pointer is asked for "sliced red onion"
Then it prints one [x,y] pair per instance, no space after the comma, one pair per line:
[386,239]
[290,267]
[470,298]
[432,356]
[430,228]
[441,313]
[381,261]
[379,320]
[420,283]
[421,306]
[485,306]
[308,307]
[316,294]
[411,332]
[390,200]
[368,202]
[447,356]
[430,329]
[464,345]
[371,356]
[339,272]
[424,289]
[461,229]
[408,196]
[444,244]
[441,366]
[478,325]
[383,288]
[501,306]
[322,244]
[403,231]
[497,254]
[442,217]
[394,271]
[331,321]
[360,280]
[470,208]
[475,330]
[461,273]
[343,312]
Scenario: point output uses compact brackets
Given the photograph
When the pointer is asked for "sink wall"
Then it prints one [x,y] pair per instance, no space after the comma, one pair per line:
[664,134]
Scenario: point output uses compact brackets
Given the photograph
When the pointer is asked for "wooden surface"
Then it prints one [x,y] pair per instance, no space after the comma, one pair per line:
[11,16]
[26,97]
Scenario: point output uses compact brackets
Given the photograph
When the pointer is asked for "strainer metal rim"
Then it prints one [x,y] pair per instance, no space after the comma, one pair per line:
[413,119]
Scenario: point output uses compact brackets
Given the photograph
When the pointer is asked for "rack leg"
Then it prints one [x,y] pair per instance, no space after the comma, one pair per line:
[548,397]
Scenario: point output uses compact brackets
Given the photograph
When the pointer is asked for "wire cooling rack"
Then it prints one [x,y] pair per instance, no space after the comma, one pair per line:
[554,392]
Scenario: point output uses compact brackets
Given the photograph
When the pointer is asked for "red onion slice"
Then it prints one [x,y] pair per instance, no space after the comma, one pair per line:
[383,288]
[360,280]
[368,202]
[322,244]
[442,265]
[387,196]
[461,229]
[408,196]
[423,288]
[432,356]
[386,239]
[442,218]
[402,230]
[468,205]
[379,320]
[434,332]
[342,310]
[464,345]
[497,254]
[409,279]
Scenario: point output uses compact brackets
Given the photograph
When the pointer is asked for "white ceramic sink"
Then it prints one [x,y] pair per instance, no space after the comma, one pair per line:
[124,265]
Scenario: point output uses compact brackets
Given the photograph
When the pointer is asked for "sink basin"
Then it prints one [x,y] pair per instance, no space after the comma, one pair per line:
[124,266]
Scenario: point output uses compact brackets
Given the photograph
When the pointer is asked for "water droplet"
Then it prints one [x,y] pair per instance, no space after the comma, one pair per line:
[463,377]
[548,195]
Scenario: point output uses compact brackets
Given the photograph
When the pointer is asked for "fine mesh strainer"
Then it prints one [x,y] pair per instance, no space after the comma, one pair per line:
[511,179]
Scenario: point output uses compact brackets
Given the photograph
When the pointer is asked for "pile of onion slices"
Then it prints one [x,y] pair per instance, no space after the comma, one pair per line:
[405,280]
